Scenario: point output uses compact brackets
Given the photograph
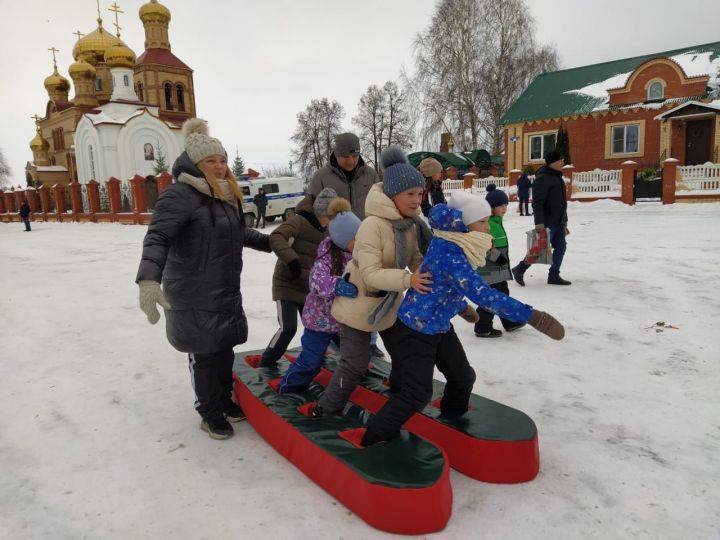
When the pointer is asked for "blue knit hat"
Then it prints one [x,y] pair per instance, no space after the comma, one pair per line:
[398,174]
[495,197]
[343,223]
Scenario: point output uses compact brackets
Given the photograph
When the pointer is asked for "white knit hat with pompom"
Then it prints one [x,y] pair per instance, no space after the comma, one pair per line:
[198,143]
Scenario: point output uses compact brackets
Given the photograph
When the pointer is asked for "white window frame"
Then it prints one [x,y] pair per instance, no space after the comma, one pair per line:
[654,84]
[543,150]
[624,128]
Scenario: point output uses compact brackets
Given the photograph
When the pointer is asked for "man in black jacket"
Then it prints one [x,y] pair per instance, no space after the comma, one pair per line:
[550,212]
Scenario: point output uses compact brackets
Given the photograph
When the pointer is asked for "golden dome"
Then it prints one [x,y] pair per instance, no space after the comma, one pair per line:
[120,55]
[56,82]
[92,47]
[81,69]
[153,10]
[38,143]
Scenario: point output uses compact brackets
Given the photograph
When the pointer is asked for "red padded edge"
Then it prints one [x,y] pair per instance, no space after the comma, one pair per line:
[396,510]
[354,436]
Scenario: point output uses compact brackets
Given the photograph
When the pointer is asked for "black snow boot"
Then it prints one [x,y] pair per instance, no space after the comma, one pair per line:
[557,280]
[217,427]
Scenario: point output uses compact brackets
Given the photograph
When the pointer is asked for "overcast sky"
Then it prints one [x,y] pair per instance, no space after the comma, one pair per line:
[258,63]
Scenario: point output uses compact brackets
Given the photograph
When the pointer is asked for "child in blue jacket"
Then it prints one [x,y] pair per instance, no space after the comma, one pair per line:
[423,335]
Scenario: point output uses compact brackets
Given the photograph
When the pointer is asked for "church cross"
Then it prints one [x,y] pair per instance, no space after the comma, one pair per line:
[116,9]
[36,118]
[54,50]
[79,34]
[99,19]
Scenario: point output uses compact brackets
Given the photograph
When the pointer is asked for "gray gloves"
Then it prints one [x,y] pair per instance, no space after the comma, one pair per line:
[547,324]
[150,295]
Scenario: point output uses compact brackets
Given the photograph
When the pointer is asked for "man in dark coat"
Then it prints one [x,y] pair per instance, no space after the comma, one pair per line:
[523,193]
[550,212]
[261,202]
[25,214]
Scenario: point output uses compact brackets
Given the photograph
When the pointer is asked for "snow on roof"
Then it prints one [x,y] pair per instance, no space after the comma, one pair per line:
[51,168]
[694,64]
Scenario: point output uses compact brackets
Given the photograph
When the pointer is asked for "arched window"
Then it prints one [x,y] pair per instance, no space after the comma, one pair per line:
[655,90]
[139,91]
[168,96]
[93,176]
[98,84]
[180,97]
[126,80]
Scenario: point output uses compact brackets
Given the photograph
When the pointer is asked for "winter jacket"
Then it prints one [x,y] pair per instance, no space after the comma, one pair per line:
[260,201]
[453,279]
[24,209]
[372,267]
[549,198]
[523,186]
[496,269]
[316,312]
[432,195]
[355,188]
[194,247]
[295,240]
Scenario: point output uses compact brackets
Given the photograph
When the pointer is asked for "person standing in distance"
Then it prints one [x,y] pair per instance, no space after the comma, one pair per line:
[550,212]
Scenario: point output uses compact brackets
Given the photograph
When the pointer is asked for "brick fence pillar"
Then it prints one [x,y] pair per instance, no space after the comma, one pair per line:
[10,201]
[59,191]
[163,181]
[19,198]
[451,173]
[76,199]
[627,182]
[468,180]
[567,171]
[512,181]
[31,199]
[137,184]
[669,180]
[45,201]
[93,191]
[113,188]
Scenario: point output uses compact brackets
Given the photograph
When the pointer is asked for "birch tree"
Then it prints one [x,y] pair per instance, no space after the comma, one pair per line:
[313,137]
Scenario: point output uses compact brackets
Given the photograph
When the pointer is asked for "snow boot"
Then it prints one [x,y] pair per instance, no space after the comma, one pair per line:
[493,333]
[519,275]
[233,412]
[557,280]
[217,427]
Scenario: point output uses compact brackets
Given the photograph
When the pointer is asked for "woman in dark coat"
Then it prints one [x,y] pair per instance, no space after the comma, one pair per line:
[194,247]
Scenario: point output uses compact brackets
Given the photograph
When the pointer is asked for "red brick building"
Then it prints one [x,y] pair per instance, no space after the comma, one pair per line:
[644,109]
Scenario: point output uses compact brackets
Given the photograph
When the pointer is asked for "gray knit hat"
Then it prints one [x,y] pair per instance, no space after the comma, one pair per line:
[198,143]
[398,174]
[320,206]
[346,144]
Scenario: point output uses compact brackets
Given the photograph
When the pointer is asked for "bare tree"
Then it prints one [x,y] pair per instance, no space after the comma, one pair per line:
[5,171]
[472,62]
[317,125]
[383,120]
[277,171]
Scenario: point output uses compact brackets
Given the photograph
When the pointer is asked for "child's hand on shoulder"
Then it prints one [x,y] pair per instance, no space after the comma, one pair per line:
[421,282]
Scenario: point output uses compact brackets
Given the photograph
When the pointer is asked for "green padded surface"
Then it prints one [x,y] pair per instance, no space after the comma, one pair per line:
[405,462]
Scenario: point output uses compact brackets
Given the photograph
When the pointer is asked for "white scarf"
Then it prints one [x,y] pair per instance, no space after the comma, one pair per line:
[475,244]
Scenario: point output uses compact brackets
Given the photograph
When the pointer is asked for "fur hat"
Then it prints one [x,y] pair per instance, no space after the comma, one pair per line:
[343,223]
[429,167]
[198,143]
[473,207]
[495,197]
[552,156]
[399,175]
[346,144]
[322,201]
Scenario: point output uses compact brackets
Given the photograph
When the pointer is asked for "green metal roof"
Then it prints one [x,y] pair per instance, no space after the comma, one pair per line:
[555,94]
[460,160]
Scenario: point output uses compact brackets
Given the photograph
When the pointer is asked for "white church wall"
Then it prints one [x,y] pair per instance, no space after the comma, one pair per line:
[88,154]
[142,140]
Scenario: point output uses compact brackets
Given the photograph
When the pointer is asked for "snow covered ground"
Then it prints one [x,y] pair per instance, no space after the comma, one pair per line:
[99,439]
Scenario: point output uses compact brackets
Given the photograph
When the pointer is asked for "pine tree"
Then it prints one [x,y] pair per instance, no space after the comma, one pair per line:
[160,166]
[238,166]
[562,143]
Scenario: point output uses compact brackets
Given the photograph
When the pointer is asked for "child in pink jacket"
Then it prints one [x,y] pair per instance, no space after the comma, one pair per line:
[325,284]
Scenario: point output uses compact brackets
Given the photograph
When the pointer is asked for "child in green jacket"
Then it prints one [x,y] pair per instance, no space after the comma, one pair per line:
[496,271]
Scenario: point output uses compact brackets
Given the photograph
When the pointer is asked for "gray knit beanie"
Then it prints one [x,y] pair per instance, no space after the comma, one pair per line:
[320,206]
[398,174]
[198,143]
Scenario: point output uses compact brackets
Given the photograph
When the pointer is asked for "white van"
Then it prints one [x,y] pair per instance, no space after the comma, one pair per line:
[283,195]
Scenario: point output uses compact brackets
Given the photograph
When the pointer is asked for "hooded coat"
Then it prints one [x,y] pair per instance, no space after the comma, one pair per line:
[194,246]
[295,240]
[373,269]
[353,186]
[549,197]
[453,280]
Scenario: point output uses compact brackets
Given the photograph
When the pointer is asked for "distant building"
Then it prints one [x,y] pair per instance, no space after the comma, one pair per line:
[126,111]
[644,109]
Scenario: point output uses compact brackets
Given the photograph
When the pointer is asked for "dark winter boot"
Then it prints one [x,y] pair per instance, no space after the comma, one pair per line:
[371,438]
[519,275]
[217,427]
[557,280]
[493,333]
[233,412]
